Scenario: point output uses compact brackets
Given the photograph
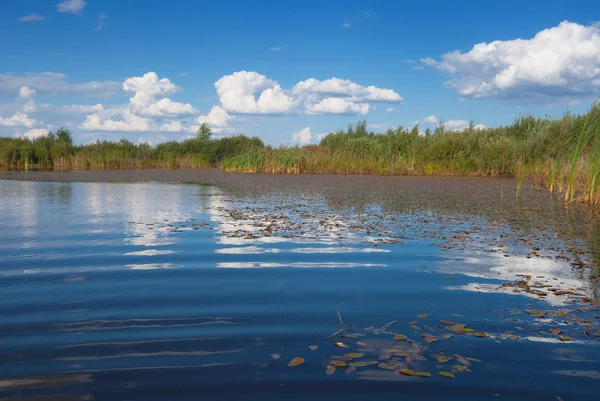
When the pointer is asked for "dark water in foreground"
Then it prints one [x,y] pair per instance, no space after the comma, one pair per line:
[148,291]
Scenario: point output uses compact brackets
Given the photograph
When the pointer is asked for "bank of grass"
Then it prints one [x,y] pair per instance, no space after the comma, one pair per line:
[561,154]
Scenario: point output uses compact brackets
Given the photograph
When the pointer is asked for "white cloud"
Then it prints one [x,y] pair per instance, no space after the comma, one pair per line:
[302,137]
[218,119]
[431,120]
[147,88]
[56,84]
[456,125]
[129,122]
[100,24]
[347,25]
[337,105]
[31,18]
[171,126]
[19,119]
[249,92]
[413,123]
[389,109]
[559,62]
[345,87]
[35,133]
[26,95]
[71,6]
[479,127]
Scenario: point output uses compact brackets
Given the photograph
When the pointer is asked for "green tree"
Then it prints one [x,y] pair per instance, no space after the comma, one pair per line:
[64,135]
[204,131]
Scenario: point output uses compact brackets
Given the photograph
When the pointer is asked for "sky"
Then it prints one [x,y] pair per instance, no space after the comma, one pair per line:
[289,72]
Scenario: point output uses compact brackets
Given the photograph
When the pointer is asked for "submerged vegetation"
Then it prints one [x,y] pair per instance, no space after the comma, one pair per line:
[562,154]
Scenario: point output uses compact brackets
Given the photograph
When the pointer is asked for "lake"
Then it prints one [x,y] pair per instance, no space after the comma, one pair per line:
[320,288]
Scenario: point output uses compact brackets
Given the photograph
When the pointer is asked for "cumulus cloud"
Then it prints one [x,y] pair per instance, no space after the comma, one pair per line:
[150,97]
[35,133]
[71,6]
[26,99]
[456,125]
[559,62]
[53,83]
[337,105]
[302,137]
[248,92]
[431,120]
[218,119]
[126,122]
[19,119]
[31,18]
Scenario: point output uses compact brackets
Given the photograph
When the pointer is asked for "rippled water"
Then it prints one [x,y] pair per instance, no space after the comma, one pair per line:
[147,291]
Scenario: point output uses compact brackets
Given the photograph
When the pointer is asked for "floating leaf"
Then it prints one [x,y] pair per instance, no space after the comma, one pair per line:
[407,372]
[449,277]
[413,322]
[513,338]
[353,355]
[462,360]
[447,335]
[566,338]
[535,312]
[423,315]
[480,335]
[361,344]
[387,366]
[275,356]
[341,345]
[296,361]
[419,357]
[400,337]
[442,359]
[358,364]
[340,364]
[351,369]
[465,330]
[415,327]
[459,368]
[383,357]
[473,359]
[313,347]
[423,374]
[448,322]
[455,314]
[330,370]
[431,339]
[447,374]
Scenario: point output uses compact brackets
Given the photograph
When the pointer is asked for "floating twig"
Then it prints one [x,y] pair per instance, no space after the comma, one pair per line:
[340,316]
[337,332]
[389,324]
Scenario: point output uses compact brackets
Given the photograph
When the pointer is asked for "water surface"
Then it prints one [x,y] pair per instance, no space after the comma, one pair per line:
[147,291]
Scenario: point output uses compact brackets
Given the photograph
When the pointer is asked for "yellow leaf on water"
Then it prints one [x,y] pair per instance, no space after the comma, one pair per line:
[447,374]
[313,347]
[448,322]
[413,322]
[423,374]
[480,335]
[341,345]
[459,368]
[358,364]
[340,364]
[414,326]
[431,339]
[566,338]
[442,359]
[400,337]
[387,366]
[465,330]
[447,335]
[351,369]
[361,344]
[407,372]
[353,355]
[423,315]
[513,338]
[330,370]
[419,357]
[296,361]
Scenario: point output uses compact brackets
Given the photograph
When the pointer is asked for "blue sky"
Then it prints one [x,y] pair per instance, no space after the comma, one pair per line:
[153,70]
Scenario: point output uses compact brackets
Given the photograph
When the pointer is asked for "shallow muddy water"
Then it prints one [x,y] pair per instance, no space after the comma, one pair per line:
[370,288]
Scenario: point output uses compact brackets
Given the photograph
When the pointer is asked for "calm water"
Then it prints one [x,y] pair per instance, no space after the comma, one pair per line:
[152,291]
